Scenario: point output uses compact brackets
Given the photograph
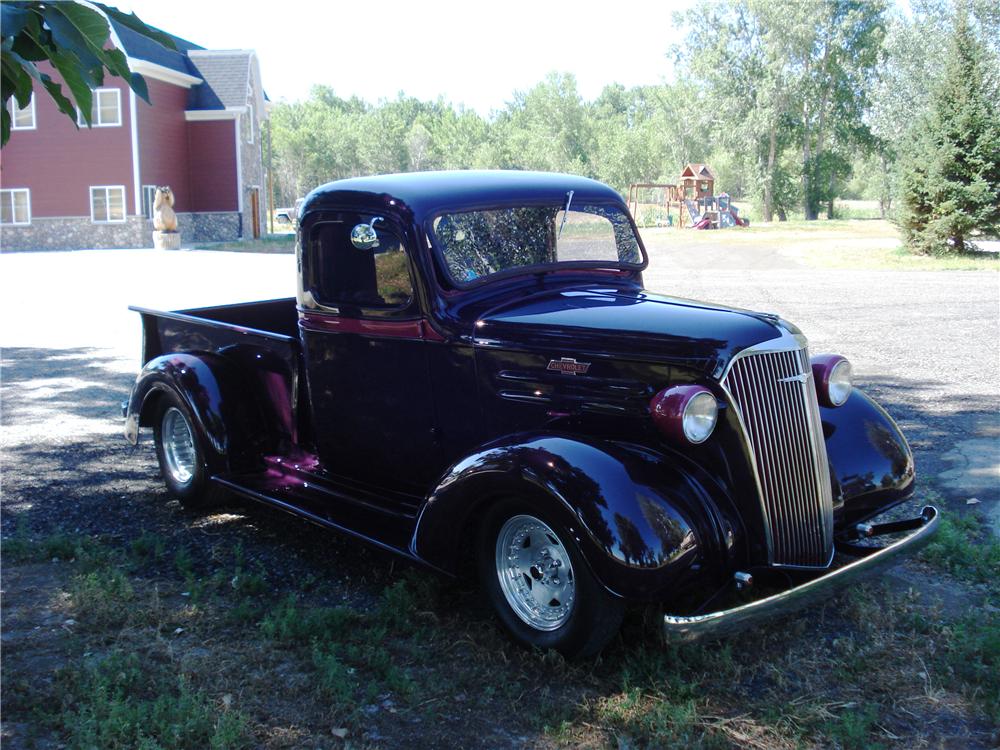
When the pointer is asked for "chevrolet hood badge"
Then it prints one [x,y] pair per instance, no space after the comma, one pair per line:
[568,366]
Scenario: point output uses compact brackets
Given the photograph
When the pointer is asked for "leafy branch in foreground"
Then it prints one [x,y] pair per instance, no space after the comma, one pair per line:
[73,37]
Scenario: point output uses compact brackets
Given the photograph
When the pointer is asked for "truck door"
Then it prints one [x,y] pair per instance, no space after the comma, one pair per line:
[366,359]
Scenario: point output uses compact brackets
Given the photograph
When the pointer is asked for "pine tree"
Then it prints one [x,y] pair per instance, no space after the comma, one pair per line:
[951,181]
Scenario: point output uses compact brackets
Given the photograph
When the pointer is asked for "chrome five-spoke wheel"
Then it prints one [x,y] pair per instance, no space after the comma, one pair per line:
[186,460]
[535,572]
[179,454]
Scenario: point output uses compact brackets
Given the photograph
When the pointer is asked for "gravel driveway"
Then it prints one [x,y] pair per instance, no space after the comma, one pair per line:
[925,343]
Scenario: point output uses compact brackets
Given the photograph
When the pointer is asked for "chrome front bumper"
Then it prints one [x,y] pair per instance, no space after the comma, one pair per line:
[688,628]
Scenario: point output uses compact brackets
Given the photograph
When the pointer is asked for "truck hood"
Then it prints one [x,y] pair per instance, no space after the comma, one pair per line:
[629,324]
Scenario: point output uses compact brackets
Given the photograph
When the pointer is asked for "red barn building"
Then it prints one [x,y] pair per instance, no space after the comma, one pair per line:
[65,188]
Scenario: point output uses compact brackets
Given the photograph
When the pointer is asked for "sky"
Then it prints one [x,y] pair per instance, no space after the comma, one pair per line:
[476,55]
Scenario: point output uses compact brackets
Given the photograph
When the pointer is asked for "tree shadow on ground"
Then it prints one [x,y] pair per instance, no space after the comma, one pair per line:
[62,393]
[933,428]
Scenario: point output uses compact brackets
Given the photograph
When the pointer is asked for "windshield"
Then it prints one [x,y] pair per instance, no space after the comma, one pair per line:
[477,244]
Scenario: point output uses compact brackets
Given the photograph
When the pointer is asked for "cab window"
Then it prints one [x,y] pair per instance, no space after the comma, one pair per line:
[358,262]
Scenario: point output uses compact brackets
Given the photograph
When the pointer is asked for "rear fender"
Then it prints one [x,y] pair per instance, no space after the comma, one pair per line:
[213,390]
[645,527]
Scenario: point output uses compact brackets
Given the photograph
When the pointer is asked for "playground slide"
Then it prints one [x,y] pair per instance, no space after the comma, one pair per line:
[729,215]
[728,218]
[693,211]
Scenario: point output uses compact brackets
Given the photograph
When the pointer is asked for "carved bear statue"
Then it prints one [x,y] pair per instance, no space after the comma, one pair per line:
[164,218]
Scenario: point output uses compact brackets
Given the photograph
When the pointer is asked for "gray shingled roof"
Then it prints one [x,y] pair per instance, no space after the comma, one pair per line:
[226,75]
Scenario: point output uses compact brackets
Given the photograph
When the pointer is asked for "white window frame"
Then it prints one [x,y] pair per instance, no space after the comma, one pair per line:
[3,196]
[106,188]
[151,189]
[14,109]
[95,109]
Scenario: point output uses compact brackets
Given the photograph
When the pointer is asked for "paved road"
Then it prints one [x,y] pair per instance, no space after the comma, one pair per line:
[925,343]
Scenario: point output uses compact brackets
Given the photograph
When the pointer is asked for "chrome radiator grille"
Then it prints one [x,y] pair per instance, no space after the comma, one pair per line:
[774,395]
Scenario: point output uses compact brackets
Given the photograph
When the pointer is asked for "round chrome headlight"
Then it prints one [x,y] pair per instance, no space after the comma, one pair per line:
[685,413]
[700,415]
[832,374]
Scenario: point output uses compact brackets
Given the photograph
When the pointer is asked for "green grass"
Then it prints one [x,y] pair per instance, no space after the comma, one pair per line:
[236,665]
[292,624]
[271,243]
[852,728]
[21,547]
[965,547]
[120,701]
[824,244]
[347,649]
[970,655]
[103,598]
[656,721]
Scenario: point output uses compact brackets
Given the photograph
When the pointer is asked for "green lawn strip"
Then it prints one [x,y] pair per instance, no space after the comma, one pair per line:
[274,243]
[834,244]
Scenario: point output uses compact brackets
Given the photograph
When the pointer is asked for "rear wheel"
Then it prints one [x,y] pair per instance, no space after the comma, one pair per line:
[540,586]
[185,462]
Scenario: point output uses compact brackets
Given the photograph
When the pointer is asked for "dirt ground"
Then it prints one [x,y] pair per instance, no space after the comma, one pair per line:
[128,621]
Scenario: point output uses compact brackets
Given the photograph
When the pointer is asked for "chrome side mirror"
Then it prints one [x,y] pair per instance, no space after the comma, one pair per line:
[363,236]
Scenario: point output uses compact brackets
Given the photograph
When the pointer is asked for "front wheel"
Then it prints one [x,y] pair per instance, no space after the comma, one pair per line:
[540,586]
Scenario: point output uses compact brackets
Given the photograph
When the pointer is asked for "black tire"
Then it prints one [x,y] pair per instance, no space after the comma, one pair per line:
[594,616]
[195,491]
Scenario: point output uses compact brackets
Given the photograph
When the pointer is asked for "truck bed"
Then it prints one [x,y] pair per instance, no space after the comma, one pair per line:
[269,323]
[260,339]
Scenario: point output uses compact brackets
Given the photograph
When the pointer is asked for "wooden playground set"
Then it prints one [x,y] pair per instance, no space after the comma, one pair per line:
[694,197]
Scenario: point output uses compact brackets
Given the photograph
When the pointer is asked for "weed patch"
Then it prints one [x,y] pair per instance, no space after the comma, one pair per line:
[102,598]
[970,652]
[21,547]
[293,625]
[120,702]
[852,728]
[655,721]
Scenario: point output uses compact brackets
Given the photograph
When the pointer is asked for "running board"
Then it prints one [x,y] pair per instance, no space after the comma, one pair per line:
[382,528]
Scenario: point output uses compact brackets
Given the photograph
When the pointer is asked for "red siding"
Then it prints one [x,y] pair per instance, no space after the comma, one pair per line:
[60,163]
[163,141]
[212,151]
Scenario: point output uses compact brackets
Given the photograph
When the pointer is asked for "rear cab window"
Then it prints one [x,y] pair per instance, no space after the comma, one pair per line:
[356,264]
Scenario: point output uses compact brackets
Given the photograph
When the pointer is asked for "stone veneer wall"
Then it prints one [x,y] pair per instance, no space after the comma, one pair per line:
[79,233]
[219,226]
[252,172]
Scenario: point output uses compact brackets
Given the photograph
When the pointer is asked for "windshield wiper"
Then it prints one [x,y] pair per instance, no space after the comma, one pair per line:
[569,202]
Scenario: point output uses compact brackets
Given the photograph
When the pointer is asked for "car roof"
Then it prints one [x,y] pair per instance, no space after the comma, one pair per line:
[427,193]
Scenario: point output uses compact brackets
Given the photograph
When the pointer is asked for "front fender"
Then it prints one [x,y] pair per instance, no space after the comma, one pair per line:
[645,526]
[871,464]
[214,392]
